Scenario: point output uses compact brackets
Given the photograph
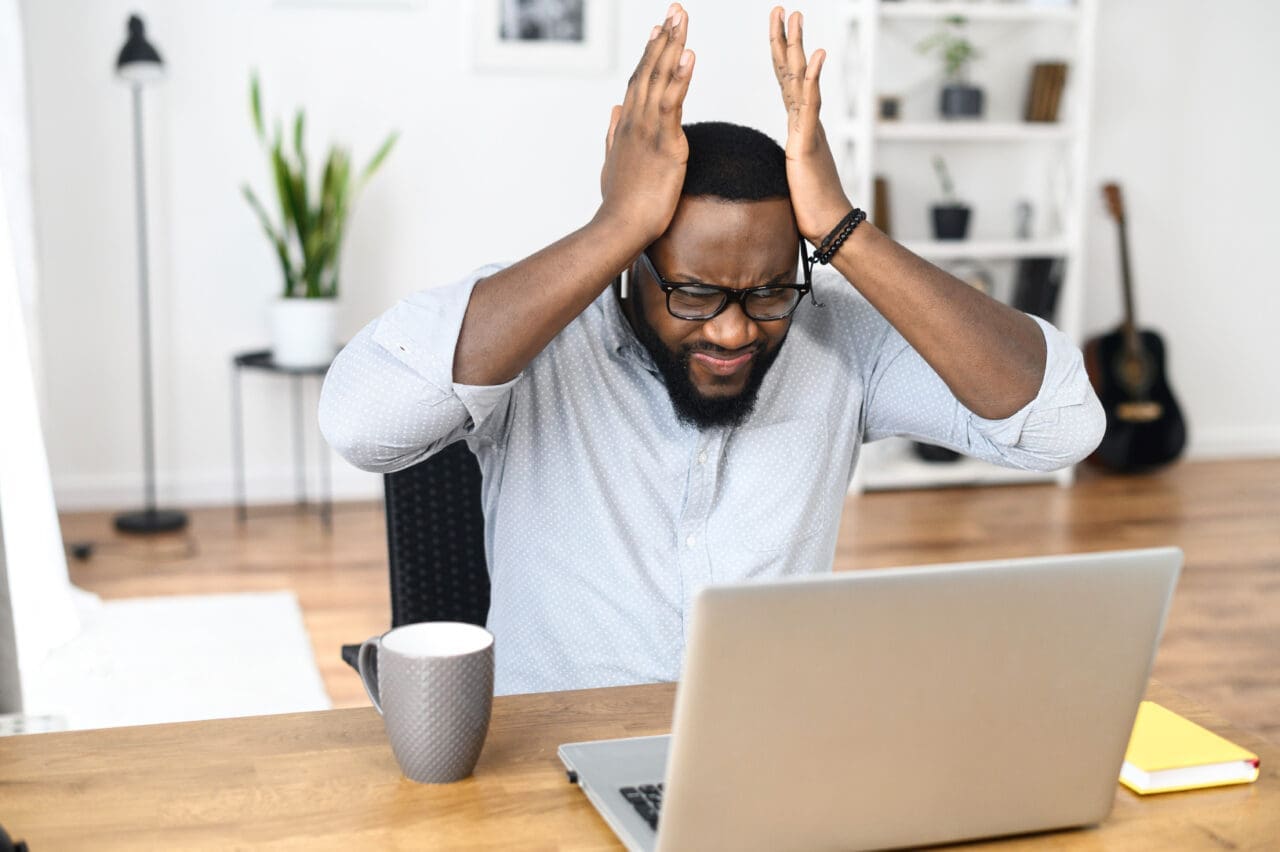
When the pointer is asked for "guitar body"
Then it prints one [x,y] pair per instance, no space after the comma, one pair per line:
[1144,424]
[1145,428]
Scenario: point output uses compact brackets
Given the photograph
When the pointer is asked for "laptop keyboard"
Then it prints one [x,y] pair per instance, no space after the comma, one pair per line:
[647,800]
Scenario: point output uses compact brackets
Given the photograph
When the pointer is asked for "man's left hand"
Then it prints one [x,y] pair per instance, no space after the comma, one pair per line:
[817,197]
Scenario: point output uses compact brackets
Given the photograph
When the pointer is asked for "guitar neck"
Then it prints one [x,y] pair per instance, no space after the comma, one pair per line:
[1129,327]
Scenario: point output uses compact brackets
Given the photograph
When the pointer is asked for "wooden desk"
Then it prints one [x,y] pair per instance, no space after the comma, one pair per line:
[328,780]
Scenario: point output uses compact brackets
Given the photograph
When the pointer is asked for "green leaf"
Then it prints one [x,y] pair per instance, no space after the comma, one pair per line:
[277,240]
[255,105]
[380,156]
[299,122]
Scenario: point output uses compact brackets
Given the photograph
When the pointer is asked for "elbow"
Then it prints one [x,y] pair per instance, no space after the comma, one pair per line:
[345,430]
[341,430]
[1091,425]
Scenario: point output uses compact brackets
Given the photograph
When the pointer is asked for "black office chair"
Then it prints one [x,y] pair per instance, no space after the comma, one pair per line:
[435,542]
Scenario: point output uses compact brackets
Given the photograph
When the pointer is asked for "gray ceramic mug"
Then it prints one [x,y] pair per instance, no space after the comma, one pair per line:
[433,684]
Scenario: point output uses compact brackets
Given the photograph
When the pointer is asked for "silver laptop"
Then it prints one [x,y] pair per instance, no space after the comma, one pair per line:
[899,707]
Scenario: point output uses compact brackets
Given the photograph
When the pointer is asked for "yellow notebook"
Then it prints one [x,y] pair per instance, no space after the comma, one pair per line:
[1167,752]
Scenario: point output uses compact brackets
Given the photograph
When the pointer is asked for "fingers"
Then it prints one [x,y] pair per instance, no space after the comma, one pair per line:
[786,45]
[671,104]
[810,89]
[778,43]
[663,73]
[649,71]
[797,79]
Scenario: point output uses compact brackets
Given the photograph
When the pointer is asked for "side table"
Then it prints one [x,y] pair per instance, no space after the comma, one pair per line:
[261,360]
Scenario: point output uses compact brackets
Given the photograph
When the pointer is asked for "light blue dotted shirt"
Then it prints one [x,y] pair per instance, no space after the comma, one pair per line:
[604,514]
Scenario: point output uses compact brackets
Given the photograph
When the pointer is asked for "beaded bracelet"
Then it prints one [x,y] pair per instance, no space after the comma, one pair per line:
[831,242]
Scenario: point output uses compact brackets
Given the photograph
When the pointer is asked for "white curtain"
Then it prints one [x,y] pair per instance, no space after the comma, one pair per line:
[38,590]
[15,166]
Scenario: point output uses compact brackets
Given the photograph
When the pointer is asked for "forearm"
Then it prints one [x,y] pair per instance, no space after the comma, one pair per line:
[515,313]
[991,356]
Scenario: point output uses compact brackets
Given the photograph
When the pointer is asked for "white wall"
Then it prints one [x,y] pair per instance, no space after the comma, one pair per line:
[494,166]
[1187,121]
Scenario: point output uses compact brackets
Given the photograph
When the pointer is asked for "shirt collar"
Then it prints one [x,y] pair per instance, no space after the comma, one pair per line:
[619,337]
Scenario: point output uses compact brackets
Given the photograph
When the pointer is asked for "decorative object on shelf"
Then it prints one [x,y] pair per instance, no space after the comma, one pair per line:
[960,98]
[1036,280]
[890,107]
[1044,93]
[565,36]
[884,216]
[139,63]
[1022,215]
[1145,428]
[950,218]
[308,240]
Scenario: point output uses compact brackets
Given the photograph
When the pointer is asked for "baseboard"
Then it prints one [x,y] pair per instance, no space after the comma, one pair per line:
[207,488]
[1234,442]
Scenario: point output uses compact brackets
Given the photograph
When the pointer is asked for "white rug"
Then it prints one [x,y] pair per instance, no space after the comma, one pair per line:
[173,659]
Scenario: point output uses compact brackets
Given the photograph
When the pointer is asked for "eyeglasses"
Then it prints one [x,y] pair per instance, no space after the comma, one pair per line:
[690,301]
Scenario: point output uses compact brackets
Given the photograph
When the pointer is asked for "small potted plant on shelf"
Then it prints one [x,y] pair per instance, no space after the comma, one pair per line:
[308,239]
[951,217]
[960,98]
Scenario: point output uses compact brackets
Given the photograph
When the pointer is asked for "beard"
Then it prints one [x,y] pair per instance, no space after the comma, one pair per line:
[692,407]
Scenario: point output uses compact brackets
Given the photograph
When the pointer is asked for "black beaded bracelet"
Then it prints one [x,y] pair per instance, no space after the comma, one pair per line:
[831,242]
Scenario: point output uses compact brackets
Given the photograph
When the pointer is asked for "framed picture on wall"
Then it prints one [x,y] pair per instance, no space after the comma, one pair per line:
[543,35]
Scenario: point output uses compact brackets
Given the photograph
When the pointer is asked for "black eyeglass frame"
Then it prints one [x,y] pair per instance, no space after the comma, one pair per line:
[733,294]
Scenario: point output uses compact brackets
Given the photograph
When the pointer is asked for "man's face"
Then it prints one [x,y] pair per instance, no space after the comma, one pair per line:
[713,368]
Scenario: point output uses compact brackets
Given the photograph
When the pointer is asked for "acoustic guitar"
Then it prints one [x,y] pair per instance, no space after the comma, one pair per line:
[1145,428]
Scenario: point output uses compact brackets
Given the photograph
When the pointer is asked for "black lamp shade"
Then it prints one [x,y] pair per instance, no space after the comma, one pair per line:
[139,61]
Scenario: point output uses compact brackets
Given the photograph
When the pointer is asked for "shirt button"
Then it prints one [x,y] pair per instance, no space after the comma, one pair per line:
[691,541]
[702,457]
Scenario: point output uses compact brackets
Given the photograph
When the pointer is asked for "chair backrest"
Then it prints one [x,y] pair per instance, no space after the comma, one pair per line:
[435,540]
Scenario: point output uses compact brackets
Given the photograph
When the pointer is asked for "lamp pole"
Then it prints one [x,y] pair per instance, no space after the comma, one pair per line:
[139,63]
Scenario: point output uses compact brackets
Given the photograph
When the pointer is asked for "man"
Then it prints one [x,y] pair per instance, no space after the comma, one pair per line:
[700,422]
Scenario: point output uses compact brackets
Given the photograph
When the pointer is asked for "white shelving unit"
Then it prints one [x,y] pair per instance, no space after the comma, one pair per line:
[997,161]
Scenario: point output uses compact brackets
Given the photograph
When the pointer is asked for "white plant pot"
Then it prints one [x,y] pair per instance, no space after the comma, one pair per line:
[303,332]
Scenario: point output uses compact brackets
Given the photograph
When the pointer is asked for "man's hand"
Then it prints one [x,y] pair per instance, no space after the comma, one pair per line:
[646,151]
[817,197]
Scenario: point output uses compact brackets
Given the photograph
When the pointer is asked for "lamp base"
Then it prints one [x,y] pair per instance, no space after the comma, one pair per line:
[150,521]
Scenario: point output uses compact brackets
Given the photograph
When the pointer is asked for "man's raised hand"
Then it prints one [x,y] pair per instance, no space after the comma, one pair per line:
[817,197]
[645,149]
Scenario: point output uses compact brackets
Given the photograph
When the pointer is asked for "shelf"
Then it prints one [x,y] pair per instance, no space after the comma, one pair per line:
[973,11]
[890,465]
[986,249]
[972,131]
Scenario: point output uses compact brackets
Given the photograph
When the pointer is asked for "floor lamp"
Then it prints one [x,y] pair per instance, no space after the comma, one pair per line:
[138,65]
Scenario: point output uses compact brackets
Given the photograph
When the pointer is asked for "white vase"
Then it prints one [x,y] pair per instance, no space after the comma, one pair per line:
[303,332]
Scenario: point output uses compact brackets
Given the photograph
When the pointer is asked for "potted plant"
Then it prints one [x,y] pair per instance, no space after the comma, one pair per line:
[951,217]
[308,240]
[960,99]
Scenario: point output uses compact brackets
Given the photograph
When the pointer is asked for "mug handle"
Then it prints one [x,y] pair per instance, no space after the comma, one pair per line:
[367,663]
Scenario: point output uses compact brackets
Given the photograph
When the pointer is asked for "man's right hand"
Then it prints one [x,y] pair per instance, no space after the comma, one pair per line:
[515,312]
[646,151]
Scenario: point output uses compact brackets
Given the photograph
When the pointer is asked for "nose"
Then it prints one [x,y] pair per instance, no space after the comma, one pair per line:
[732,329]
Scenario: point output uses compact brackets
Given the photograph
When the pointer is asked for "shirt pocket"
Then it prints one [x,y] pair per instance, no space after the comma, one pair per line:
[779,473]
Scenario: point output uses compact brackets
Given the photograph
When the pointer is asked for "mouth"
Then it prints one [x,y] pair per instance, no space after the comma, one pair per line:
[724,365]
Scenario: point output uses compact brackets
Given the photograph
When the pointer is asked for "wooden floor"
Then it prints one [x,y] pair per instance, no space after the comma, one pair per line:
[1221,645]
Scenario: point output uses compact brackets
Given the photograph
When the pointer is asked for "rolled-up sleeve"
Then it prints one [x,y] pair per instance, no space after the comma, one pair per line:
[1062,425]
[389,399]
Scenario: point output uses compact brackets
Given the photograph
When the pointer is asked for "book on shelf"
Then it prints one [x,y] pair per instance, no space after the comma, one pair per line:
[1044,95]
[1168,752]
